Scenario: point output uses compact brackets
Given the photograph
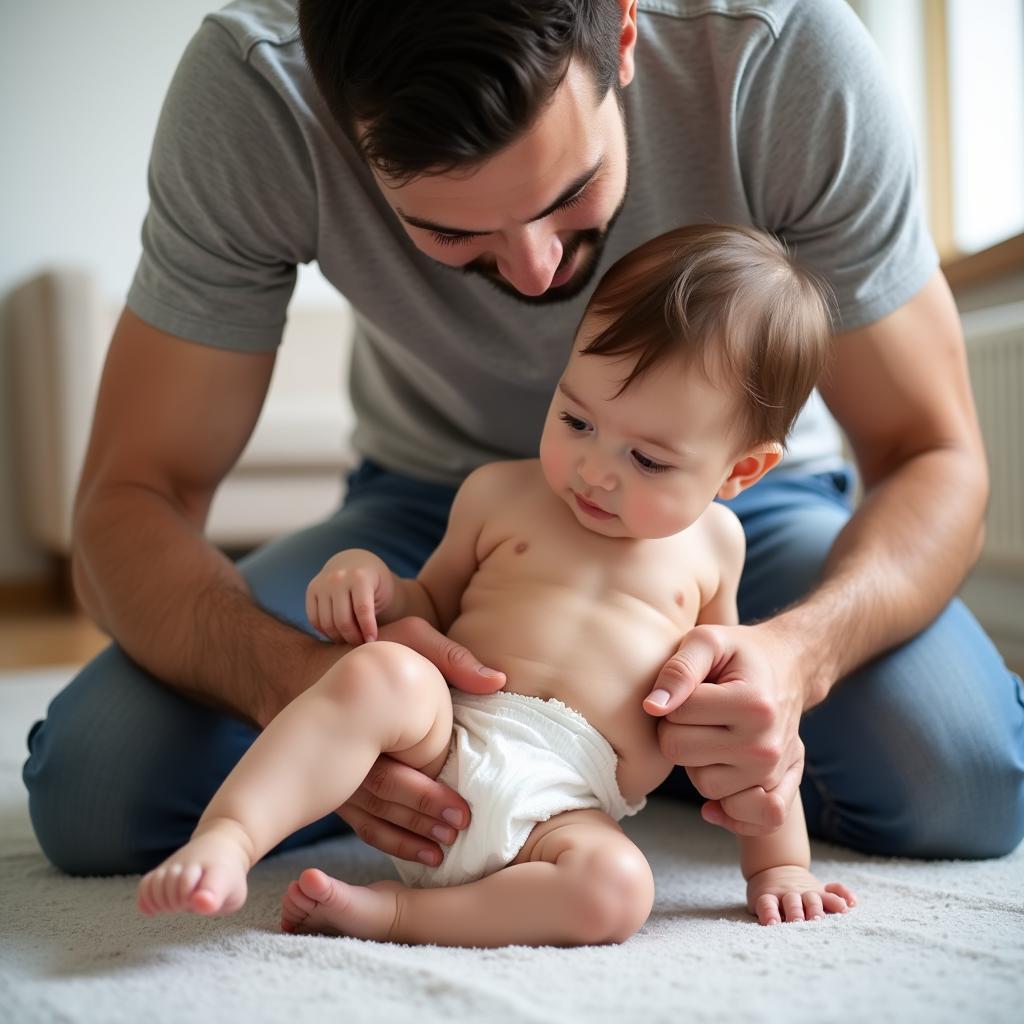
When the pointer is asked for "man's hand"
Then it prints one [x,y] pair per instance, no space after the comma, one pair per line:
[398,809]
[738,738]
[345,596]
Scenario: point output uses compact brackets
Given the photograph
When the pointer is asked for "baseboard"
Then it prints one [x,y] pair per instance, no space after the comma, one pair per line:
[49,593]
[27,597]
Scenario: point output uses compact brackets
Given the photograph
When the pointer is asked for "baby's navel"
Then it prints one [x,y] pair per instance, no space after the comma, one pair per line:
[521,547]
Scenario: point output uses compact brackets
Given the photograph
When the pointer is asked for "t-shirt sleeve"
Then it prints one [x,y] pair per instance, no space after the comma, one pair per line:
[829,163]
[232,203]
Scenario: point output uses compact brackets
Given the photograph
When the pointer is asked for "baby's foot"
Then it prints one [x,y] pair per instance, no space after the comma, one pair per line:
[206,876]
[791,893]
[319,904]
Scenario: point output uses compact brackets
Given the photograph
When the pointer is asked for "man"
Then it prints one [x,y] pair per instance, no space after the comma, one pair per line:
[462,171]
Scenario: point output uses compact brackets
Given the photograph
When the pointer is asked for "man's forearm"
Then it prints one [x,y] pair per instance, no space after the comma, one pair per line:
[893,568]
[182,610]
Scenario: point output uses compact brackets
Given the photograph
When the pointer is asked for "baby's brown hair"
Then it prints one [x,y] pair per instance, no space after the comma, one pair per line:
[729,299]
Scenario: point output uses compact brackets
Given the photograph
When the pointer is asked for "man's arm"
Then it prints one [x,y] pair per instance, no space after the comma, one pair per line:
[900,389]
[171,419]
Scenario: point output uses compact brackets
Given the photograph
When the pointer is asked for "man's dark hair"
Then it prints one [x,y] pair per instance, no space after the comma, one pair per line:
[438,84]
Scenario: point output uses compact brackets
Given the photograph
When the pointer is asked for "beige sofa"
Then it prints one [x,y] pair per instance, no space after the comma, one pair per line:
[291,473]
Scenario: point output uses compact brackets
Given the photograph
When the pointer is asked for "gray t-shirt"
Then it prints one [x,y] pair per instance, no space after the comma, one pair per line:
[774,113]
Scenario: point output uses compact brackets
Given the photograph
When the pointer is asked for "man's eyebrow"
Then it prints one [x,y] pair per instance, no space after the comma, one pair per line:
[576,186]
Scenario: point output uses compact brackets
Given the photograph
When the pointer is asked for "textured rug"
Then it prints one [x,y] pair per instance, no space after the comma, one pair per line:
[935,942]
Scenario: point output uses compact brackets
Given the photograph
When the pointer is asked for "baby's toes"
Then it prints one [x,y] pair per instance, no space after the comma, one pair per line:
[144,897]
[295,907]
[813,909]
[211,893]
[154,888]
[169,886]
[792,906]
[767,909]
[186,881]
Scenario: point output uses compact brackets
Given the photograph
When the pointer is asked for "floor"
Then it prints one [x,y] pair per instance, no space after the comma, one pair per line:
[936,942]
[48,638]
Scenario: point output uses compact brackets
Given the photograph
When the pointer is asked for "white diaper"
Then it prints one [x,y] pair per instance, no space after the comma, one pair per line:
[516,761]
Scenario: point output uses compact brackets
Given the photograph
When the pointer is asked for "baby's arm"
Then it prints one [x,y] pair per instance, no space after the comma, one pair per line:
[355,591]
[446,574]
[780,886]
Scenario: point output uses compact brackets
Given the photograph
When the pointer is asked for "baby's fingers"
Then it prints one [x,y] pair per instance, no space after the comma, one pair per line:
[841,890]
[833,903]
[767,909]
[792,906]
[318,613]
[363,609]
[344,619]
[320,618]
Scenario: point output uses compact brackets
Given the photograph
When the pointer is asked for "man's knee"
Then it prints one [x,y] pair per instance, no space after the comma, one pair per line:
[916,756]
[121,768]
[969,808]
[71,803]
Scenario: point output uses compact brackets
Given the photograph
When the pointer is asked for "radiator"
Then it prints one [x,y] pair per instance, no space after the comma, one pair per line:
[995,353]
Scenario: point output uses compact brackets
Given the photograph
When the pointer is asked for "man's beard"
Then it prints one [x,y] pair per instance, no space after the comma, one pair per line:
[590,240]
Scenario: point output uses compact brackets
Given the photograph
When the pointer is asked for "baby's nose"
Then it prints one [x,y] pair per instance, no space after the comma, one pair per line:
[595,472]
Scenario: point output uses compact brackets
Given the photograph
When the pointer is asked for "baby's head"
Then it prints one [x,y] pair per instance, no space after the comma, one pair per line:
[693,358]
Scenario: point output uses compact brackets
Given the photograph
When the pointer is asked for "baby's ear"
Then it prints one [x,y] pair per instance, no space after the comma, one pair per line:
[749,468]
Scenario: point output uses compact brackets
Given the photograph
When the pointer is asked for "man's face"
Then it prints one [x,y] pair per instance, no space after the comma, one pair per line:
[532,219]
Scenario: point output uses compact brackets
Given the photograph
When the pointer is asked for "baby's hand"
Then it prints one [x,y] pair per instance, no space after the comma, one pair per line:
[790,893]
[345,596]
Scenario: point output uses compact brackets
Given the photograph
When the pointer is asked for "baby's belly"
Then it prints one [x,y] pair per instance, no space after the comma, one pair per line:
[601,663]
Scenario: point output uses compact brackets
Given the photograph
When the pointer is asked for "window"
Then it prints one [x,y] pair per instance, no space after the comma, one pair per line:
[959,66]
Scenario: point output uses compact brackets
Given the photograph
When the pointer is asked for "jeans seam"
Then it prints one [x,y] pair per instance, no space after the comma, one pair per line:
[829,812]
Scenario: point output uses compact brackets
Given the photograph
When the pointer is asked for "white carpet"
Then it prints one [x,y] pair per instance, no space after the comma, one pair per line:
[929,942]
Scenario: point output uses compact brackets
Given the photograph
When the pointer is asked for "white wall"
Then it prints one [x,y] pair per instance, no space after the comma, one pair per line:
[81,86]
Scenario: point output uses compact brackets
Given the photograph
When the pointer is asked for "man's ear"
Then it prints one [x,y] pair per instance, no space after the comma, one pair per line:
[749,468]
[627,42]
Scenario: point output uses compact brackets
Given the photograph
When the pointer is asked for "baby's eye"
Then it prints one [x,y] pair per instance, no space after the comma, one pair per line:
[573,422]
[648,465]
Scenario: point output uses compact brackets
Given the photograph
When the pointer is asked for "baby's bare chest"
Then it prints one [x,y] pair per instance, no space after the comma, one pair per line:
[671,577]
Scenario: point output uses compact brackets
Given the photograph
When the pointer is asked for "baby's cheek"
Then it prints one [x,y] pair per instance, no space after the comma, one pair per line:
[553,462]
[659,516]
[554,455]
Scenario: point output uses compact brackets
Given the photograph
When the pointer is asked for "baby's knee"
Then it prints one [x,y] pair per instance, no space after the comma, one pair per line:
[615,895]
[380,670]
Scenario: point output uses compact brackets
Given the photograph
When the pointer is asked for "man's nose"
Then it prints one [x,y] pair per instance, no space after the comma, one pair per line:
[531,259]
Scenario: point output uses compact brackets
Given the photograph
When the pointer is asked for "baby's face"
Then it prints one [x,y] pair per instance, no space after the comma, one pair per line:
[645,464]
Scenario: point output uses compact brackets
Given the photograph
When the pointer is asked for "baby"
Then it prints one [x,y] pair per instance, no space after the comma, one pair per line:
[575,575]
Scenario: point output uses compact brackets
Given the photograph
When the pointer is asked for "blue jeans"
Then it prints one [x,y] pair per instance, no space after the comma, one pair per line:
[919,753]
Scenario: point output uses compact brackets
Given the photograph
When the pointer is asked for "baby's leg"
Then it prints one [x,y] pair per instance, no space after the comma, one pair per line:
[380,698]
[578,881]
